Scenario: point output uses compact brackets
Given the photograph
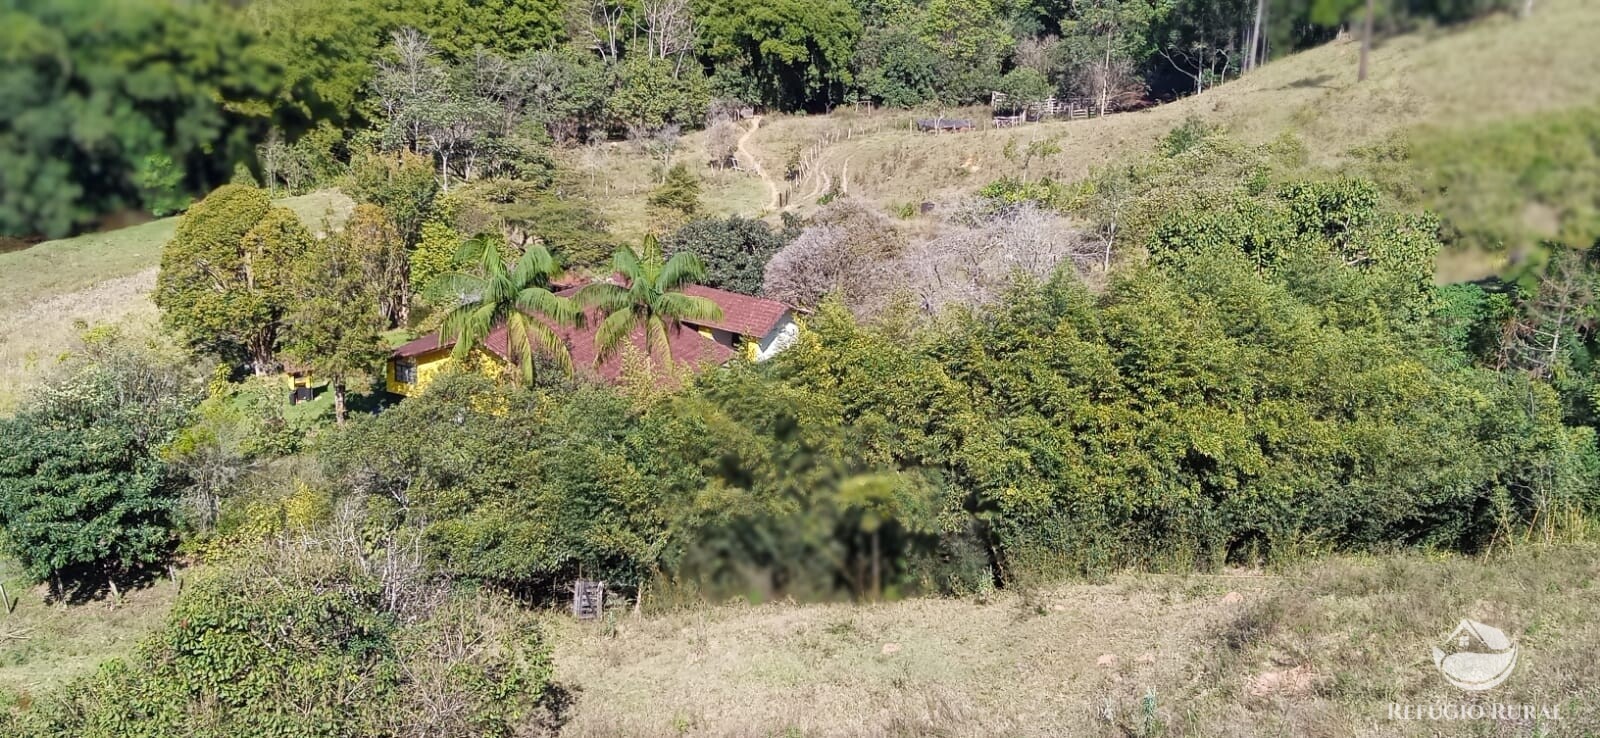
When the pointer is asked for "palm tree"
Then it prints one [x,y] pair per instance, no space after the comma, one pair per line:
[651,299]
[518,297]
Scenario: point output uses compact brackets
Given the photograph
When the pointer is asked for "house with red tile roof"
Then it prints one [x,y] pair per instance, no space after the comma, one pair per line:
[754,327]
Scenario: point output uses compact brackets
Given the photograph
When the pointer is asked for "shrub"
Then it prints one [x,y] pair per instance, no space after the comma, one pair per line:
[844,249]
[302,641]
[84,496]
[679,192]
[735,251]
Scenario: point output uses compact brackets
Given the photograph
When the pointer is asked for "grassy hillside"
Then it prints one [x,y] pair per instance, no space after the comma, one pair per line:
[95,278]
[1461,107]
[1443,81]
[1320,650]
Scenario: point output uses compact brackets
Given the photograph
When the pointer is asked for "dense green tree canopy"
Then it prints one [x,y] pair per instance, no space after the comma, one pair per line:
[735,251]
[225,275]
[798,51]
[94,92]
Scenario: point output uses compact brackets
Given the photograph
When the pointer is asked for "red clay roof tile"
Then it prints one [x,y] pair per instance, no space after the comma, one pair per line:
[752,317]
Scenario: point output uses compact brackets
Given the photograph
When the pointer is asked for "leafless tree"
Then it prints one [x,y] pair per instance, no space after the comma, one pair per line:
[669,30]
[1560,311]
[658,143]
[1200,61]
[599,24]
[449,132]
[1256,44]
[977,256]
[726,109]
[1111,81]
[1039,53]
[409,81]
[490,77]
[273,155]
[847,250]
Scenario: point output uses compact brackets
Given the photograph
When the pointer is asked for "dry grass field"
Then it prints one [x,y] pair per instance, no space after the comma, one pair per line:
[44,645]
[1316,650]
[1457,78]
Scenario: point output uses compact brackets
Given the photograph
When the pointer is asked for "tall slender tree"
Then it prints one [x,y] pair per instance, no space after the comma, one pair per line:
[651,298]
[334,326]
[520,296]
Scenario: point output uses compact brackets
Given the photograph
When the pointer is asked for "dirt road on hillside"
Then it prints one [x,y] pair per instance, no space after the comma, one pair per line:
[755,163]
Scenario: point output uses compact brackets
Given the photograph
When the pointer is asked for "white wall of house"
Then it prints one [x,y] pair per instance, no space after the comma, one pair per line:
[782,336]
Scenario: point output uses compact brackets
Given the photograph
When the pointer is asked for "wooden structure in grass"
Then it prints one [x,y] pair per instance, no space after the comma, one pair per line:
[1037,110]
[944,125]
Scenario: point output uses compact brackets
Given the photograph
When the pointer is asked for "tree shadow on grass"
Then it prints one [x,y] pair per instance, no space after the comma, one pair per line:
[555,708]
[82,588]
[1319,81]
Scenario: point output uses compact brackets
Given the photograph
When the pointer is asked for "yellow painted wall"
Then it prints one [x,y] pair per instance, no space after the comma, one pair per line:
[428,366]
[434,363]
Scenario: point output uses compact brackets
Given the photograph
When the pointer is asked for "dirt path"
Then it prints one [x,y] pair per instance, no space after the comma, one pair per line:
[755,162]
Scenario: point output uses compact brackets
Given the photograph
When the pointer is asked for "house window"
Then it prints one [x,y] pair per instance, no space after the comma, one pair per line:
[405,371]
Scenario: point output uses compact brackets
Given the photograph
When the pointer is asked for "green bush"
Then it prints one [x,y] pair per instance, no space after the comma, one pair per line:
[1507,185]
[302,641]
[85,498]
[735,251]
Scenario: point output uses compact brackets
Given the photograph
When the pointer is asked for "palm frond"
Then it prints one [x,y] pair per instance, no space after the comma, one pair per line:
[613,331]
[682,269]
[480,250]
[549,343]
[527,336]
[656,340]
[541,301]
[678,306]
[626,263]
[517,345]
[469,325]
[605,296]
[536,267]
[650,247]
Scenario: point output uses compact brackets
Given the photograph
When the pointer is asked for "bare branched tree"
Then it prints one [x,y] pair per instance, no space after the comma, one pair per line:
[659,143]
[847,250]
[1111,81]
[409,81]
[274,157]
[669,30]
[1039,53]
[490,77]
[1560,313]
[978,255]
[599,25]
